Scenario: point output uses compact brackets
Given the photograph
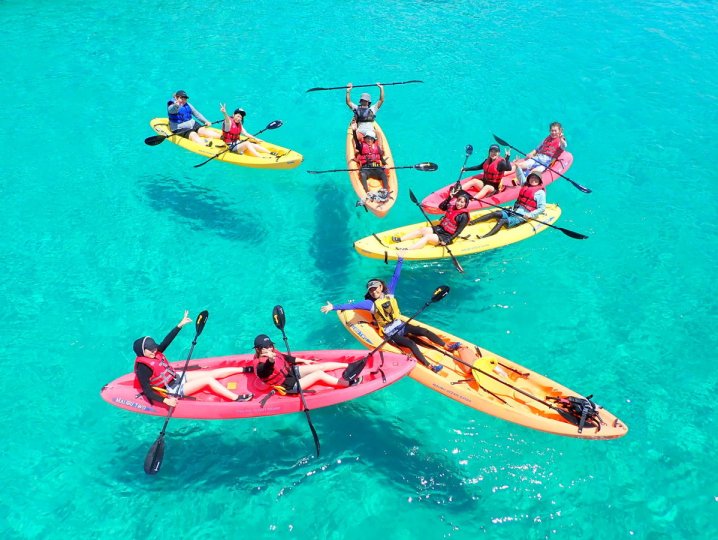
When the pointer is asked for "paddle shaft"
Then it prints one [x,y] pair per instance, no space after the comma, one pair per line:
[228,148]
[361,86]
[433,228]
[429,167]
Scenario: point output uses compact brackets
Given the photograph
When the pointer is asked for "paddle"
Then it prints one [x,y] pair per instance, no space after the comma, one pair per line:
[361,86]
[153,460]
[575,184]
[567,232]
[355,367]
[157,139]
[279,320]
[426,166]
[433,228]
[469,151]
[272,125]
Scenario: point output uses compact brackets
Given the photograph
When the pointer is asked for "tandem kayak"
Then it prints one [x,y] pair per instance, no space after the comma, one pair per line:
[371,200]
[494,385]
[382,369]
[431,202]
[380,245]
[282,158]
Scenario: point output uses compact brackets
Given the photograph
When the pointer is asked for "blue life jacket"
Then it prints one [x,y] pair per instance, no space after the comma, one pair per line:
[183,114]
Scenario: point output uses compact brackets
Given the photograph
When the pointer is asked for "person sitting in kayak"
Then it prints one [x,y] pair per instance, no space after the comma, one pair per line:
[233,129]
[530,203]
[544,154]
[451,225]
[365,112]
[275,369]
[159,382]
[370,157]
[182,116]
[494,168]
[380,301]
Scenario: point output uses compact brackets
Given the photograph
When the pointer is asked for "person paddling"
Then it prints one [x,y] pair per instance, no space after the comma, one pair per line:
[530,203]
[380,301]
[233,129]
[275,369]
[365,112]
[494,167]
[450,226]
[160,382]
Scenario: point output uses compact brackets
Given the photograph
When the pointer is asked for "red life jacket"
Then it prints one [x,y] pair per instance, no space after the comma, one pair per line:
[448,222]
[550,146]
[492,174]
[526,197]
[234,132]
[370,155]
[281,369]
[162,372]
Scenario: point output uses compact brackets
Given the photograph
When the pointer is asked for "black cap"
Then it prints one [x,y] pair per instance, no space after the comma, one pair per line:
[181,93]
[240,111]
[495,147]
[262,341]
[143,343]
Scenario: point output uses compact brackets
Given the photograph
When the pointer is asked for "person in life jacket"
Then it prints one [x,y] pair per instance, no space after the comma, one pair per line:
[365,112]
[182,120]
[160,382]
[278,370]
[450,226]
[549,149]
[530,203]
[380,301]
[233,129]
[494,167]
[370,157]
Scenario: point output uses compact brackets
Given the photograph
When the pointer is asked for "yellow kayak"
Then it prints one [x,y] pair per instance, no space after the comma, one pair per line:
[281,158]
[380,245]
[494,385]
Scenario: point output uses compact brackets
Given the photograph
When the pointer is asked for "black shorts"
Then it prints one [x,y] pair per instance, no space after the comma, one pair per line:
[290,384]
[444,236]
[185,131]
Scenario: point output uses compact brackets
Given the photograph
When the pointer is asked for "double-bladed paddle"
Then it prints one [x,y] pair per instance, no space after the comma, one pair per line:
[157,139]
[272,125]
[433,228]
[426,166]
[279,320]
[575,184]
[361,86]
[153,460]
[469,151]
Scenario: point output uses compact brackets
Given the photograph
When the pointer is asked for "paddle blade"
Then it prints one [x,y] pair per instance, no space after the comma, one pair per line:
[572,234]
[501,141]
[274,125]
[153,460]
[201,321]
[469,150]
[154,140]
[413,197]
[440,293]
[426,166]
[354,369]
[278,317]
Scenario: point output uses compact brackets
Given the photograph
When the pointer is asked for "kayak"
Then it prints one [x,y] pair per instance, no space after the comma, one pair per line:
[560,165]
[281,158]
[372,201]
[382,369]
[380,245]
[489,383]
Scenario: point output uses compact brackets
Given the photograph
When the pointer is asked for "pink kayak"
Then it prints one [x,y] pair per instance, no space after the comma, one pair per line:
[382,369]
[431,202]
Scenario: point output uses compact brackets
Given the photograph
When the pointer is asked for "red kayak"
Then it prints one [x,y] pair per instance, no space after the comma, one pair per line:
[431,202]
[382,369]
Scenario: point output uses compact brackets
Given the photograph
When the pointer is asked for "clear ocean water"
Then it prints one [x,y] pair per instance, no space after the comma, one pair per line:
[105,239]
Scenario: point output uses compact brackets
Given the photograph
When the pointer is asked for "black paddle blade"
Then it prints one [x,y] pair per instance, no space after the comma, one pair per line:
[440,293]
[413,197]
[201,321]
[278,317]
[572,234]
[353,370]
[500,140]
[153,460]
[274,125]
[426,166]
[154,140]
[469,150]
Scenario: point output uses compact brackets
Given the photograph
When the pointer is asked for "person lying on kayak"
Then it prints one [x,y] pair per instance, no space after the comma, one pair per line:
[450,226]
[233,129]
[530,203]
[365,112]
[370,157]
[549,149]
[494,168]
[275,369]
[381,302]
[159,382]
[181,113]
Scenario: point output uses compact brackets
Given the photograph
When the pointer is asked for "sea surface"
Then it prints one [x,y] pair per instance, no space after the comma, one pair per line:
[105,239]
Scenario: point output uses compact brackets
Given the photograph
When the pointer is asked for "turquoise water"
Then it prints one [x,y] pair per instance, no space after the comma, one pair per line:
[106,239]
